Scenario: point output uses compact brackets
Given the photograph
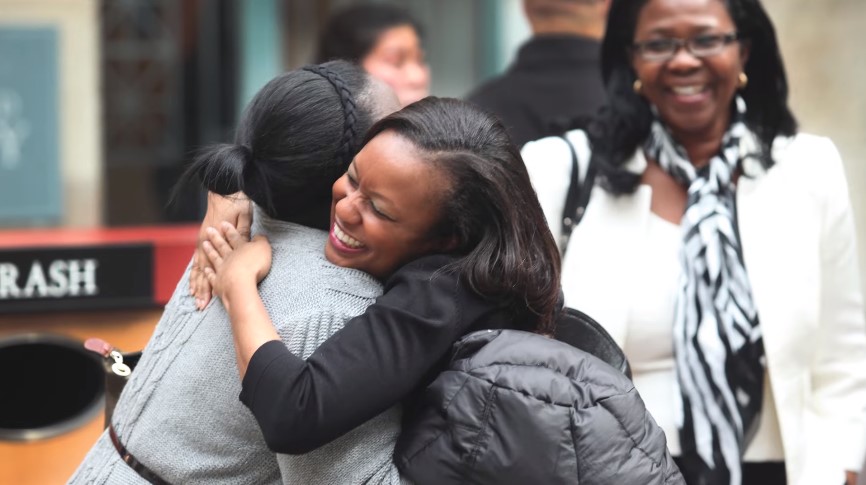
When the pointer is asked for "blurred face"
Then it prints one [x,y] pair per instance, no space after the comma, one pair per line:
[385,207]
[398,59]
[692,94]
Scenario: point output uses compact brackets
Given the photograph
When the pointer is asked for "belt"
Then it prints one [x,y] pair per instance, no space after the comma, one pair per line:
[143,471]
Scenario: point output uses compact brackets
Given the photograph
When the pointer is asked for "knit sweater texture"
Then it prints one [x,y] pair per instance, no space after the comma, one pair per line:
[180,414]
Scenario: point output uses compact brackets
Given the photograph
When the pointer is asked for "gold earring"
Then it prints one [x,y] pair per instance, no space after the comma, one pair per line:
[637,86]
[744,80]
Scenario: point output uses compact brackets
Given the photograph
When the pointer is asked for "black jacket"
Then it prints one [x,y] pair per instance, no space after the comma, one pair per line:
[518,408]
[553,80]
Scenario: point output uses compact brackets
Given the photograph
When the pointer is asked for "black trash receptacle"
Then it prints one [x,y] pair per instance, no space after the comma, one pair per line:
[49,385]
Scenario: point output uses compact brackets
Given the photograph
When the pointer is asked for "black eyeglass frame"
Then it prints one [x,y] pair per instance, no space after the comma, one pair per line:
[639,48]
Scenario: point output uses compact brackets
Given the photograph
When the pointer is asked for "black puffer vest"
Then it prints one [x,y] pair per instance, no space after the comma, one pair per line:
[518,408]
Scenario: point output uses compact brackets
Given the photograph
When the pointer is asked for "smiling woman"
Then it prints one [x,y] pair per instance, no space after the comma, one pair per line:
[718,249]
[691,87]
[386,208]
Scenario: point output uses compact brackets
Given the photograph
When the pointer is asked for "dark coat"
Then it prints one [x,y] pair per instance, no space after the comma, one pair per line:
[553,80]
[518,408]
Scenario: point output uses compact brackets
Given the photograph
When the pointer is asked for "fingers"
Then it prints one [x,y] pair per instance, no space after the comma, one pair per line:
[216,260]
[200,287]
[204,286]
[219,242]
[236,208]
[193,271]
[209,275]
[232,235]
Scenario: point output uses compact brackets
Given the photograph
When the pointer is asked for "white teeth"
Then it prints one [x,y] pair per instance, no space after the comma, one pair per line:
[687,90]
[346,239]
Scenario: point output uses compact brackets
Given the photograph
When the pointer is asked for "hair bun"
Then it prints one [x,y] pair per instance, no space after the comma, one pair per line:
[221,167]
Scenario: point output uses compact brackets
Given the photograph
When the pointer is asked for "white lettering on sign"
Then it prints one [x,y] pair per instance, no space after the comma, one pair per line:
[8,281]
[64,278]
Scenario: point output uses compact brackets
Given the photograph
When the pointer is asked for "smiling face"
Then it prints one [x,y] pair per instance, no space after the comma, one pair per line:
[385,208]
[398,59]
[693,95]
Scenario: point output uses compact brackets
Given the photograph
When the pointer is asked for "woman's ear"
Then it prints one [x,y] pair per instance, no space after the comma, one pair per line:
[745,50]
[449,243]
[443,244]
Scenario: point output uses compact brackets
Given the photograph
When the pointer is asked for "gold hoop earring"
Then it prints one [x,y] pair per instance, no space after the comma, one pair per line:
[744,80]
[637,86]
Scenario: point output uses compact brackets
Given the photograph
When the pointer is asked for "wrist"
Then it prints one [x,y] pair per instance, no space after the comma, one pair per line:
[237,288]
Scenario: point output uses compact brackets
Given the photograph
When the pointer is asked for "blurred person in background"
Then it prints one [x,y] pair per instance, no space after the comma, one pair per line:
[557,74]
[383,39]
[718,247]
[179,420]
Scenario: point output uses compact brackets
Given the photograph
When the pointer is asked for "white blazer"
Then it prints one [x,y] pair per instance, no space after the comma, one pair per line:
[799,247]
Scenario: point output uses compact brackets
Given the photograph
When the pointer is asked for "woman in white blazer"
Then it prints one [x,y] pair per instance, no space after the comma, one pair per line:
[717,247]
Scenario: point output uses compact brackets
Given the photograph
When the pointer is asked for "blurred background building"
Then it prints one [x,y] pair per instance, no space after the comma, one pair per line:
[102,103]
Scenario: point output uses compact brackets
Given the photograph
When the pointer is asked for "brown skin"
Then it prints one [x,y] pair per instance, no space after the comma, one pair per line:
[389,201]
[236,209]
[697,121]
[668,195]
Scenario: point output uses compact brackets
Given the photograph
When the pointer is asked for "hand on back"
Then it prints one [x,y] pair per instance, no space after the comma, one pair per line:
[235,263]
[237,210]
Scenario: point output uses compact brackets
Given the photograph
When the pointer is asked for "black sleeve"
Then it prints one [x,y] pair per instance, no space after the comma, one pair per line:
[374,362]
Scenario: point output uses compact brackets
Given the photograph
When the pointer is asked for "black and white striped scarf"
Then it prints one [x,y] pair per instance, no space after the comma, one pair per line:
[718,344]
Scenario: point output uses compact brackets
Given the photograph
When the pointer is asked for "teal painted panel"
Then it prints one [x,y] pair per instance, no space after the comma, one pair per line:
[489,38]
[30,187]
[261,46]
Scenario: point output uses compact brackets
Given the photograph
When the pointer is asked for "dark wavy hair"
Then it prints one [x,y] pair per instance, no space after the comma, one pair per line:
[295,138]
[351,33]
[491,209]
[624,124]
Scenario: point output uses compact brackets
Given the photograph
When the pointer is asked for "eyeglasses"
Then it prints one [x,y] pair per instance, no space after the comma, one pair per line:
[704,45]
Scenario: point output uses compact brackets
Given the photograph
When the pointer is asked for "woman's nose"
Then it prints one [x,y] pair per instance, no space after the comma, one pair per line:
[684,60]
[418,75]
[348,210]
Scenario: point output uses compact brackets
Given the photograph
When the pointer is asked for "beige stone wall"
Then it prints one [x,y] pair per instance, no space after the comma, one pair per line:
[822,43]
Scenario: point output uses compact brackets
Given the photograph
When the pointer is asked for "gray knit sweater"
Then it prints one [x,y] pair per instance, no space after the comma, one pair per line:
[180,414]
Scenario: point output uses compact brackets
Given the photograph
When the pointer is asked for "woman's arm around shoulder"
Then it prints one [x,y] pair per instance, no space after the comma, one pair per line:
[373,363]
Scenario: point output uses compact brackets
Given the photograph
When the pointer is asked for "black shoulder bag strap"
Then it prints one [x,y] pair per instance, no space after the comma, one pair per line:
[577,197]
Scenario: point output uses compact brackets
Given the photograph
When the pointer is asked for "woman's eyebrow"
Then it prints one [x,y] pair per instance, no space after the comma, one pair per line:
[668,29]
